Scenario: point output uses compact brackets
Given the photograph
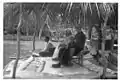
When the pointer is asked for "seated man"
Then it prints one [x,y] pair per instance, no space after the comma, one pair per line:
[60,46]
[74,47]
[63,55]
[48,50]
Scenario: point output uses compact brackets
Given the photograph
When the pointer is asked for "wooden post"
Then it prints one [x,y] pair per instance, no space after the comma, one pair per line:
[18,44]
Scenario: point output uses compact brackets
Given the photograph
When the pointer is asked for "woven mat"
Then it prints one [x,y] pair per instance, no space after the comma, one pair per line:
[42,68]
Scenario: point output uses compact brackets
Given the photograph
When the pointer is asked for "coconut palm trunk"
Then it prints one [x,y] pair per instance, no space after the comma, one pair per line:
[18,44]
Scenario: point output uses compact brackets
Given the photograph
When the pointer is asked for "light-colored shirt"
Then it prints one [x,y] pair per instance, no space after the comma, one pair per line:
[48,46]
[94,36]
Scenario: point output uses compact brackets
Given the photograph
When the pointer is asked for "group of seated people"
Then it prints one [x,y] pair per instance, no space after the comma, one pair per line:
[71,46]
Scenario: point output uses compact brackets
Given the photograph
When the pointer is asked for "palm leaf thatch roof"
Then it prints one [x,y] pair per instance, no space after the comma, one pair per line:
[71,13]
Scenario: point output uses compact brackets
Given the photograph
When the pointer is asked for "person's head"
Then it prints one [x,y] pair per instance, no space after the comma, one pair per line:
[78,28]
[68,33]
[83,31]
[94,29]
[46,39]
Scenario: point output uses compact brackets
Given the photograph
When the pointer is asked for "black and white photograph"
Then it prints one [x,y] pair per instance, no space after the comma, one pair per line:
[60,40]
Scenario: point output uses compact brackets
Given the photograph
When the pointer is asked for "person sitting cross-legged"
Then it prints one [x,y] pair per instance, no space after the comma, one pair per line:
[48,50]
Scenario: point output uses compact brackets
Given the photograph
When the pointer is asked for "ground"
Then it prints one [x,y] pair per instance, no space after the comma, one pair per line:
[10,49]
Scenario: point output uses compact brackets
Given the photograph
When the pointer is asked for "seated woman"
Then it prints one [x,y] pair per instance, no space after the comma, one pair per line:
[48,50]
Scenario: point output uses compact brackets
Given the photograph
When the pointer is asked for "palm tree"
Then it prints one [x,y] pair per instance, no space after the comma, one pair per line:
[18,42]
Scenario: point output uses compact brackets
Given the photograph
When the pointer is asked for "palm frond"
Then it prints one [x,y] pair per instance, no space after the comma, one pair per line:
[90,8]
[70,7]
[97,10]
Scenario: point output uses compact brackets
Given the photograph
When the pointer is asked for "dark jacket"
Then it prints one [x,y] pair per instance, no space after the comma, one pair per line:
[80,39]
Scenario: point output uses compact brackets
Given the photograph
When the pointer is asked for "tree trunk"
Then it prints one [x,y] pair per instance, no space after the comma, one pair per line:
[103,40]
[34,39]
[18,45]
[84,20]
[40,32]
[36,26]
[103,46]
[27,31]
[113,38]
[18,54]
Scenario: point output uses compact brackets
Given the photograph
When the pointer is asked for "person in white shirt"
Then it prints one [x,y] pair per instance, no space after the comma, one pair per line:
[49,48]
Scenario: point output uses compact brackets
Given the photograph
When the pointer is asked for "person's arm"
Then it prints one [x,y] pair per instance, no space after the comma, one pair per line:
[49,46]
